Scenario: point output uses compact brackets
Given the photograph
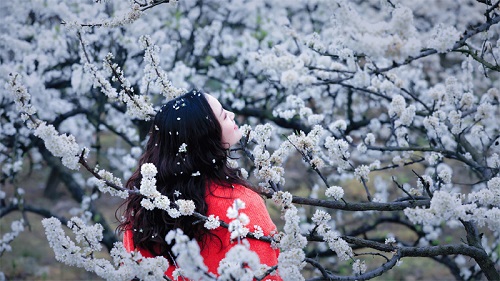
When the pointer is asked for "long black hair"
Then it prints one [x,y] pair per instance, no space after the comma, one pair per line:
[183,173]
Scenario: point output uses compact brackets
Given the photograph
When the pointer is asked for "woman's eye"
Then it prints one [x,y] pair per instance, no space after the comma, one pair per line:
[225,115]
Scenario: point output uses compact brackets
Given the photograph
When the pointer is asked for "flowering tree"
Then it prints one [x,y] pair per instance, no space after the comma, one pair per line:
[388,109]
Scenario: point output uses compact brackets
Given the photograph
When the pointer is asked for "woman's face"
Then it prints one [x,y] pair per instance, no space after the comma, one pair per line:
[230,132]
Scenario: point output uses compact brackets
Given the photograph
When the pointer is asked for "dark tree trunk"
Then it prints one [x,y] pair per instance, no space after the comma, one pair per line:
[53,182]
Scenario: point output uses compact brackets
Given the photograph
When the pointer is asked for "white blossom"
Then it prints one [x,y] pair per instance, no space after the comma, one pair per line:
[339,125]
[172,212]
[291,258]
[154,199]
[258,232]
[361,172]
[261,134]
[390,240]
[358,267]
[467,100]
[370,139]
[63,146]
[433,158]
[334,191]
[361,148]
[183,148]
[282,198]
[240,263]
[289,78]
[212,222]
[102,185]
[339,245]
[154,73]
[444,206]
[397,106]
[21,96]
[487,196]
[148,170]
[290,263]
[484,111]
[138,106]
[445,173]
[407,116]
[188,256]
[442,38]
[82,254]
[244,173]
[17,227]
[493,160]
[237,227]
[186,207]
[338,151]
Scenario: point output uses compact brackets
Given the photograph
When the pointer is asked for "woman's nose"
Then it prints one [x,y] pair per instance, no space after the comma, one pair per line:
[231,115]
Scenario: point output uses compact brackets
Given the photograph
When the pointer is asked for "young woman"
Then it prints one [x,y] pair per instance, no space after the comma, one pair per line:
[188,143]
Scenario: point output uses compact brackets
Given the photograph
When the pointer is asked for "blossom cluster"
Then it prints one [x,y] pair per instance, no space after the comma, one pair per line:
[154,76]
[125,265]
[294,106]
[188,255]
[63,146]
[237,227]
[399,110]
[336,192]
[21,96]
[102,183]
[282,198]
[482,207]
[308,146]
[240,262]
[212,222]
[60,145]
[359,267]
[338,153]
[138,106]
[153,198]
[125,17]
[331,237]
[291,243]
[268,166]
[17,227]
[443,38]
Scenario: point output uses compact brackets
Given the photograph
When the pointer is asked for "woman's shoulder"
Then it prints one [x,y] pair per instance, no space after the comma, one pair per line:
[229,191]
[222,196]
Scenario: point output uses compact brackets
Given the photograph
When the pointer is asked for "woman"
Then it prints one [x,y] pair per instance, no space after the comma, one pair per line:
[188,143]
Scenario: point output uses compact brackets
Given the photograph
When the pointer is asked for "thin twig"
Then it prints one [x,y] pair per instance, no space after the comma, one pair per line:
[317,265]
[269,271]
[402,188]
[424,183]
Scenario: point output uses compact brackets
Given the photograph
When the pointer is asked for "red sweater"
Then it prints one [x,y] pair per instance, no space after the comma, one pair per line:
[219,199]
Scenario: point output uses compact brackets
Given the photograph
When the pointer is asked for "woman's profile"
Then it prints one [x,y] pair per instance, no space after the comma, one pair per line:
[188,143]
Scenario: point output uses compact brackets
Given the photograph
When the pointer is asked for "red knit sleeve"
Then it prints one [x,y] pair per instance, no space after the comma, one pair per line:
[219,199]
